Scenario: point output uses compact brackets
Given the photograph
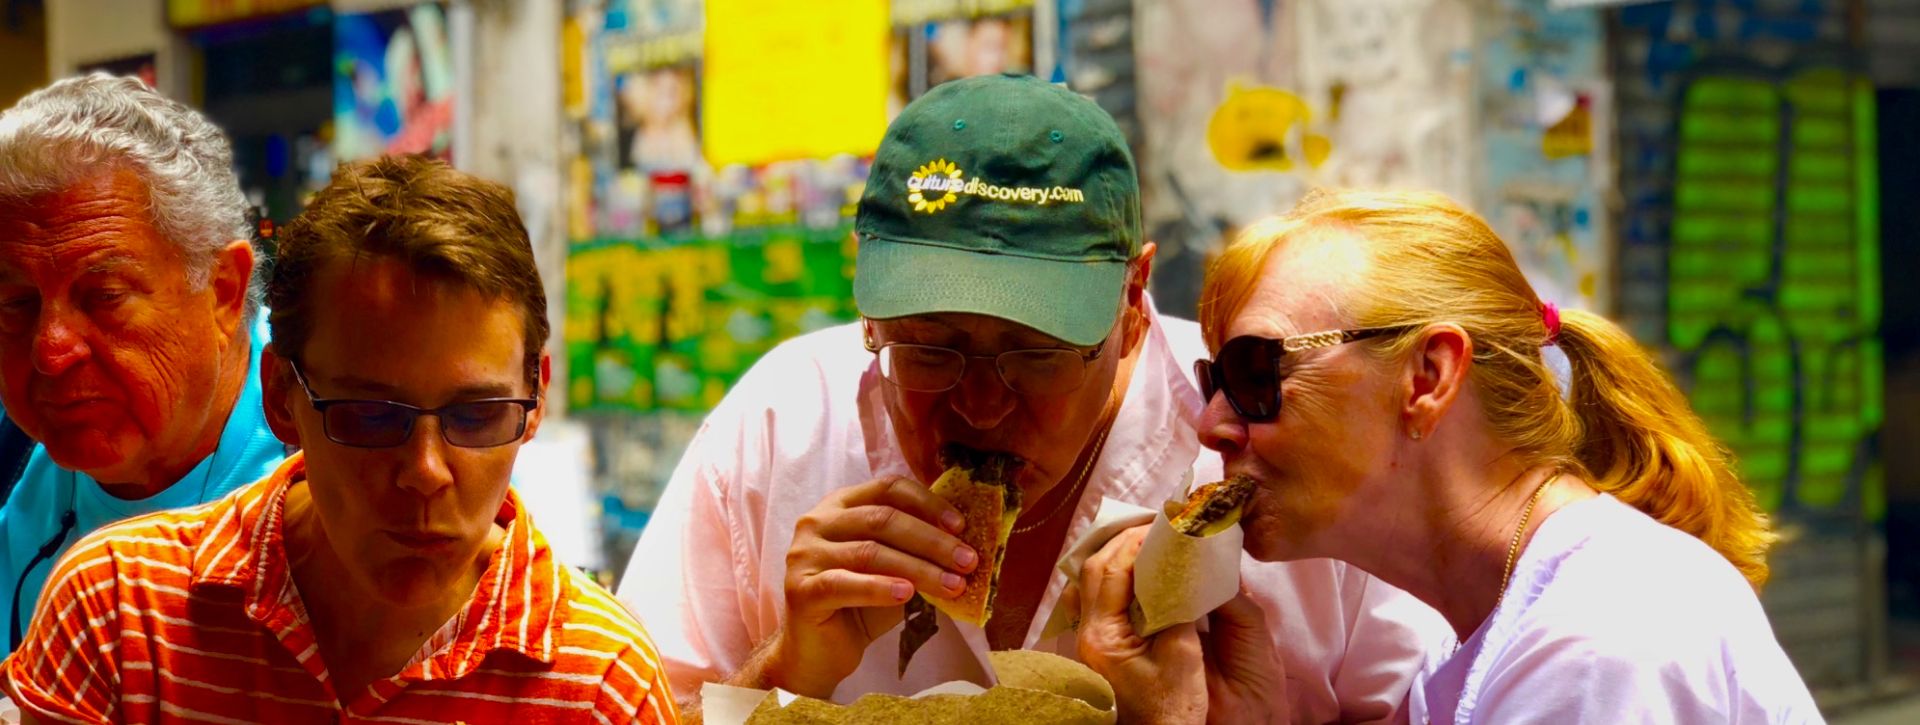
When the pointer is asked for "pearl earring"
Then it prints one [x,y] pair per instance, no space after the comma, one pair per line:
[1416,434]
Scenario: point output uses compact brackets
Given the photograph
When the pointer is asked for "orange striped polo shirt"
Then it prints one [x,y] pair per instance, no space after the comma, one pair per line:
[192,616]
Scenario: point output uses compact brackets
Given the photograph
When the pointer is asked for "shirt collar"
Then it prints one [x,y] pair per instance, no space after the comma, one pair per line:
[512,609]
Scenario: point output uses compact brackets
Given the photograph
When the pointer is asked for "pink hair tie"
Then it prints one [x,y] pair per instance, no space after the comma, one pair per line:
[1550,314]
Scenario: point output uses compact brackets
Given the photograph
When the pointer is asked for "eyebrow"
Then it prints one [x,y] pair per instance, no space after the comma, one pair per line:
[474,391]
[110,265]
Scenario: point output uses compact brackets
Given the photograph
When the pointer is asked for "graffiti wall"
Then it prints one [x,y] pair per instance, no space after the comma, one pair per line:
[1750,249]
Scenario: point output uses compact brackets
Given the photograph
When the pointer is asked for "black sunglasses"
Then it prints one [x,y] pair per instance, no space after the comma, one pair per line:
[1247,368]
[384,423]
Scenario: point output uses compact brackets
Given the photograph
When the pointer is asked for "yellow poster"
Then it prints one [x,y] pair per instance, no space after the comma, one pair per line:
[788,80]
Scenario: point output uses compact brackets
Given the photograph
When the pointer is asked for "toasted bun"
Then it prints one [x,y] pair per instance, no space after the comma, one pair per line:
[981,486]
[1215,507]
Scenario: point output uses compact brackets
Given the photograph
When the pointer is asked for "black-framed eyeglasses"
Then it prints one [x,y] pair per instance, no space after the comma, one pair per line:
[484,423]
[1247,368]
[1041,371]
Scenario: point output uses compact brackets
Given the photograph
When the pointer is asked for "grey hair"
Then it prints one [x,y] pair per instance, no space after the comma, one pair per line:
[72,130]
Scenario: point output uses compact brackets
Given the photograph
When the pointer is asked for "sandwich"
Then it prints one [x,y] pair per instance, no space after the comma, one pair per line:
[1214,508]
[981,485]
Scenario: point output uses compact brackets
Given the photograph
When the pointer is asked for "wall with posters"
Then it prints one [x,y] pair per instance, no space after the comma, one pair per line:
[1248,104]
[1544,127]
[393,83]
[681,272]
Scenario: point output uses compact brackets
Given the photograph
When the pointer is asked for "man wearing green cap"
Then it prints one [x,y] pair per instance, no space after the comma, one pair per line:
[1002,279]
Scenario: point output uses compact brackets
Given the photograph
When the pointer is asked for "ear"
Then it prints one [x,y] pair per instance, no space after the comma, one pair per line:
[277,391]
[1139,271]
[1437,376]
[539,411]
[1138,274]
[230,279]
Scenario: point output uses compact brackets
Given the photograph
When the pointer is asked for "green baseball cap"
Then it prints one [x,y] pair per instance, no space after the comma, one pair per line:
[1003,196]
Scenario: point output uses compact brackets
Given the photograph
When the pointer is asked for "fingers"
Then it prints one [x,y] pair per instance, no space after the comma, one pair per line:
[902,531]
[906,495]
[818,596]
[873,530]
[1106,579]
[873,557]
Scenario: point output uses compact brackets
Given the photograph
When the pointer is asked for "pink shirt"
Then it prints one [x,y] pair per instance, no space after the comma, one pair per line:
[808,419]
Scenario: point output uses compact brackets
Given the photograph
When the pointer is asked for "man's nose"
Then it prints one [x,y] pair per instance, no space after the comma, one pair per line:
[58,344]
[426,471]
[981,397]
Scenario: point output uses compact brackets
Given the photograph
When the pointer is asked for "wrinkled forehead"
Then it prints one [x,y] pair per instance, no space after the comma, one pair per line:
[961,329]
[1304,286]
[115,197]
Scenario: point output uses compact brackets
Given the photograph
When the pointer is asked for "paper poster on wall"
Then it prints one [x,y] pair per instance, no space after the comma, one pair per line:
[791,81]
[1541,90]
[964,47]
[393,84]
[1245,105]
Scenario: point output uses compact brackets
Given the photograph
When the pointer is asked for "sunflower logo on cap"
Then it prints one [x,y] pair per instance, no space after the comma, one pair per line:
[933,186]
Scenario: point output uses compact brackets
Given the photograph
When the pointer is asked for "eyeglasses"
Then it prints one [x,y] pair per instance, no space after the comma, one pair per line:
[384,424]
[931,369]
[1247,368]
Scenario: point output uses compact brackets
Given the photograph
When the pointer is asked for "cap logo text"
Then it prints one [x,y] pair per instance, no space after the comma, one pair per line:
[932,187]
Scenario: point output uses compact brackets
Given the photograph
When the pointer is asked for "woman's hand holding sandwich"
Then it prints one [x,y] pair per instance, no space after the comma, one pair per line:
[1231,674]
[864,547]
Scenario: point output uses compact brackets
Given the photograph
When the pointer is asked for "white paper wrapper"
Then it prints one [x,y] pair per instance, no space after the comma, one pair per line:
[1180,578]
[1176,579]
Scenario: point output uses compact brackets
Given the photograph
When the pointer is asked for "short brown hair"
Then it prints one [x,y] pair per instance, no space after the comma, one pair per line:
[440,222]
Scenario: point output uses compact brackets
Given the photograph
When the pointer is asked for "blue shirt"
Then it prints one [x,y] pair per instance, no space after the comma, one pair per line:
[248,451]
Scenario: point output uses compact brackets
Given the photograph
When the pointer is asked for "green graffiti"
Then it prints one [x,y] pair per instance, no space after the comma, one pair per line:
[1773,274]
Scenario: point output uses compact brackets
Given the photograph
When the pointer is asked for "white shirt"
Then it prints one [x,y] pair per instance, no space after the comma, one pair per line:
[808,419]
[1613,617]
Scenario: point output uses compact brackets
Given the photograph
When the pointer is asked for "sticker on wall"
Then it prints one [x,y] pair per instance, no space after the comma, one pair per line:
[1571,135]
[1261,128]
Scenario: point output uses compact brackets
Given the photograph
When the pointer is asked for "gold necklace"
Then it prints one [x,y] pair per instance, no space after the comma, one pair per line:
[1513,549]
[1086,472]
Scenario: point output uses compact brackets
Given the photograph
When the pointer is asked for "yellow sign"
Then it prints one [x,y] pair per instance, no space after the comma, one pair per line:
[791,80]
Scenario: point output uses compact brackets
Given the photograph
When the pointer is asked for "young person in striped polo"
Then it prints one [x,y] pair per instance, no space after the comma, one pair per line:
[387,573]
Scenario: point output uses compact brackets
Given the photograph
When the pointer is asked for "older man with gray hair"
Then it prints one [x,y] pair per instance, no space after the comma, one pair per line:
[129,358]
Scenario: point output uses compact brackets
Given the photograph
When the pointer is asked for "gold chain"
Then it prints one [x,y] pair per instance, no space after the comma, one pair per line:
[1513,549]
[1086,472]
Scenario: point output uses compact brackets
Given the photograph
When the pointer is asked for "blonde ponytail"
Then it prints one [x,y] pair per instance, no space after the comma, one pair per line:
[1626,429]
[1643,443]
